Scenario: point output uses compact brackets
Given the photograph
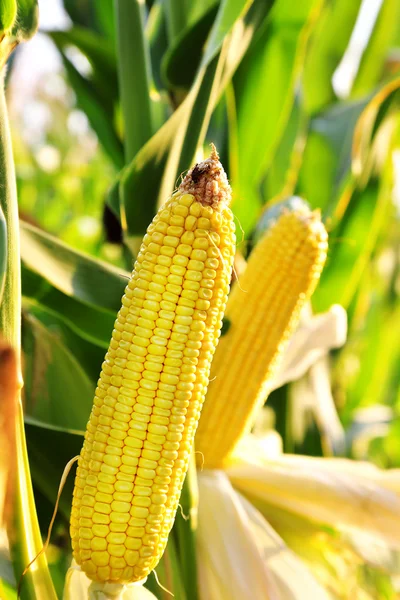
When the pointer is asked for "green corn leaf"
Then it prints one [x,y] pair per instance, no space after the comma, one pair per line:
[104,12]
[99,51]
[7,592]
[87,321]
[150,173]
[156,34]
[57,389]
[184,530]
[134,75]
[265,90]
[26,24]
[177,16]
[96,94]
[99,16]
[338,123]
[98,115]
[281,177]
[199,8]
[89,355]
[229,12]
[376,378]
[8,13]
[183,58]
[92,324]
[383,105]
[169,574]
[18,23]
[154,172]
[50,448]
[374,57]
[326,161]
[318,178]
[26,540]
[328,44]
[347,243]
[77,275]
[3,252]
[380,219]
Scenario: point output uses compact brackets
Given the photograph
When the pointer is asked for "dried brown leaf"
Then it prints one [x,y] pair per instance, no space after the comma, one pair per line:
[9,386]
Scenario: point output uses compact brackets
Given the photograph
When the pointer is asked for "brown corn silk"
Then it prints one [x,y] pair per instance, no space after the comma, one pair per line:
[263,310]
[153,382]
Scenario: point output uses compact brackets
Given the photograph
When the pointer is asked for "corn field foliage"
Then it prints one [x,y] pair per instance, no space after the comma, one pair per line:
[296,108]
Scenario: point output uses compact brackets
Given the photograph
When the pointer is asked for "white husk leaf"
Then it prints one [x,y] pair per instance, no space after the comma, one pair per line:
[79,587]
[315,336]
[240,555]
[338,492]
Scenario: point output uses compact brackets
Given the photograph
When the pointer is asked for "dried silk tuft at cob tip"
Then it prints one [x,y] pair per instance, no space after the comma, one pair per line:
[208,183]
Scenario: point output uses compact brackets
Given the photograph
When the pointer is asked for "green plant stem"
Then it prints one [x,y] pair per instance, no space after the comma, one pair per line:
[10,313]
[134,75]
[185,530]
[231,111]
[24,534]
[177,17]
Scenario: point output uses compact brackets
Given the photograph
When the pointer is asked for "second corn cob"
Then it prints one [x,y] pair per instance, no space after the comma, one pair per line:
[263,310]
[153,382]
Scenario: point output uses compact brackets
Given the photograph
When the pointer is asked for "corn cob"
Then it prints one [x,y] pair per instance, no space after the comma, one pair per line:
[263,310]
[153,382]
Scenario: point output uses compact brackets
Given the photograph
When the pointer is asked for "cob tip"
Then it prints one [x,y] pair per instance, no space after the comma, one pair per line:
[311,219]
[207,182]
[316,227]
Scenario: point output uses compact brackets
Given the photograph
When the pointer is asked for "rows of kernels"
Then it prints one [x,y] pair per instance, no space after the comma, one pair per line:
[150,392]
[263,310]
[220,248]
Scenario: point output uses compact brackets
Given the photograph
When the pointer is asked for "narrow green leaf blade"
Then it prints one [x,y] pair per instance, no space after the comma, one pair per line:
[265,90]
[8,13]
[50,448]
[182,60]
[57,390]
[26,543]
[18,23]
[92,324]
[156,34]
[99,51]
[77,275]
[6,591]
[99,16]
[228,13]
[177,15]
[347,243]
[134,75]
[184,530]
[3,252]
[327,46]
[326,161]
[89,355]
[27,21]
[97,111]
[154,172]
[373,59]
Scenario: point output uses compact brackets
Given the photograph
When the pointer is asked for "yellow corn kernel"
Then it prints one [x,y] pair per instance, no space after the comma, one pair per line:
[153,381]
[263,310]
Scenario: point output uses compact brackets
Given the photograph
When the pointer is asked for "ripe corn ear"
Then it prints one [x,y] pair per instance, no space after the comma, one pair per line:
[153,382]
[263,309]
